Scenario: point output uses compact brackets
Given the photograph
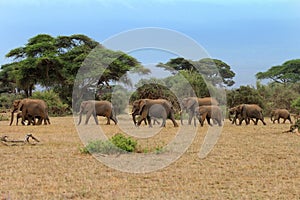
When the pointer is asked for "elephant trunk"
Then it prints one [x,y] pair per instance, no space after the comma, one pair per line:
[271,117]
[229,117]
[12,118]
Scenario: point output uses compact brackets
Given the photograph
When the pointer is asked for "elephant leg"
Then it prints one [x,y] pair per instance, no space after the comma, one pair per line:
[95,118]
[172,118]
[289,118]
[241,120]
[195,121]
[149,121]
[30,120]
[163,124]
[108,121]
[181,117]
[262,120]
[156,121]
[284,119]
[219,120]
[40,121]
[256,121]
[203,117]
[80,116]
[88,115]
[191,114]
[45,120]
[114,119]
[208,120]
[48,120]
[200,120]
[233,120]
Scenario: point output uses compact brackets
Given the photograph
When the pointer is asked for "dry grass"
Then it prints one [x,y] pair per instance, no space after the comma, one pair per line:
[253,162]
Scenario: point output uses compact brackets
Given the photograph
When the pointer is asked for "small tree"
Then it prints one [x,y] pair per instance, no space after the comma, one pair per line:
[296,104]
[244,95]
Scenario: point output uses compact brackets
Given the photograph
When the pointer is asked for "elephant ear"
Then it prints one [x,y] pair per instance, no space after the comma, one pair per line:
[191,102]
[244,109]
[239,108]
[142,104]
[19,104]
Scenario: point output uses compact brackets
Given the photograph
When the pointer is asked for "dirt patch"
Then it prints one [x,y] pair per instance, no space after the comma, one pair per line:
[248,162]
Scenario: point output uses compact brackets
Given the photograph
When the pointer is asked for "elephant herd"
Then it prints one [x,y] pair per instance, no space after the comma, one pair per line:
[253,112]
[35,111]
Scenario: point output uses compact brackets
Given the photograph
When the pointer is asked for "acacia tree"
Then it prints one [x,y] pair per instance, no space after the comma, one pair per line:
[288,72]
[215,71]
[53,63]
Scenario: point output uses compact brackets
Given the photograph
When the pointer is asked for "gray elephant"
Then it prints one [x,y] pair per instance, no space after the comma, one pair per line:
[236,111]
[158,108]
[208,112]
[135,112]
[97,108]
[190,103]
[31,109]
[280,113]
[249,111]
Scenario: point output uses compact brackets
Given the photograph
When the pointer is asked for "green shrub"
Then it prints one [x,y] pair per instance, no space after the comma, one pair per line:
[117,144]
[99,146]
[4,117]
[6,100]
[126,143]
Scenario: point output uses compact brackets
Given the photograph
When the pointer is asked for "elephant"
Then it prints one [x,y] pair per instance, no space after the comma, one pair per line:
[208,112]
[136,113]
[236,111]
[27,118]
[31,109]
[233,111]
[158,108]
[190,103]
[97,108]
[280,113]
[249,111]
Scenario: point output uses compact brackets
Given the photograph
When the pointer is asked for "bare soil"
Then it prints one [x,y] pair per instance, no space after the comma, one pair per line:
[248,162]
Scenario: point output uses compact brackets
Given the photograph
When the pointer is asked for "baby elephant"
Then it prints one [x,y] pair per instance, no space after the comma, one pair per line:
[280,113]
[208,112]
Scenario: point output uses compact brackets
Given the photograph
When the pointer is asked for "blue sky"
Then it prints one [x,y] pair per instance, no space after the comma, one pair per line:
[250,36]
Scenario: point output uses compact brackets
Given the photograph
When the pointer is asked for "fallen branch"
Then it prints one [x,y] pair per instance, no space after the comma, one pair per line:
[4,140]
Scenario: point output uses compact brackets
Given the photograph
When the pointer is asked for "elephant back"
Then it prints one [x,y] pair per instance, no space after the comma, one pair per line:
[207,101]
[252,110]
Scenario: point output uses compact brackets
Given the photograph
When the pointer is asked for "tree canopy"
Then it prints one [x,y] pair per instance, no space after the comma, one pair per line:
[215,71]
[288,72]
[53,63]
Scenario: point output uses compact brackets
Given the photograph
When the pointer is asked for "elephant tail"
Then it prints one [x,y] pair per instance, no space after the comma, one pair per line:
[113,114]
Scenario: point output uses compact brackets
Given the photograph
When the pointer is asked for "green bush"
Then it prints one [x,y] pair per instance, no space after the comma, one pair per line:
[126,143]
[296,104]
[99,146]
[6,100]
[117,144]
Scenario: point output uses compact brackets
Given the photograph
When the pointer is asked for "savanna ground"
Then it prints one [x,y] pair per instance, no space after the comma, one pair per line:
[248,162]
